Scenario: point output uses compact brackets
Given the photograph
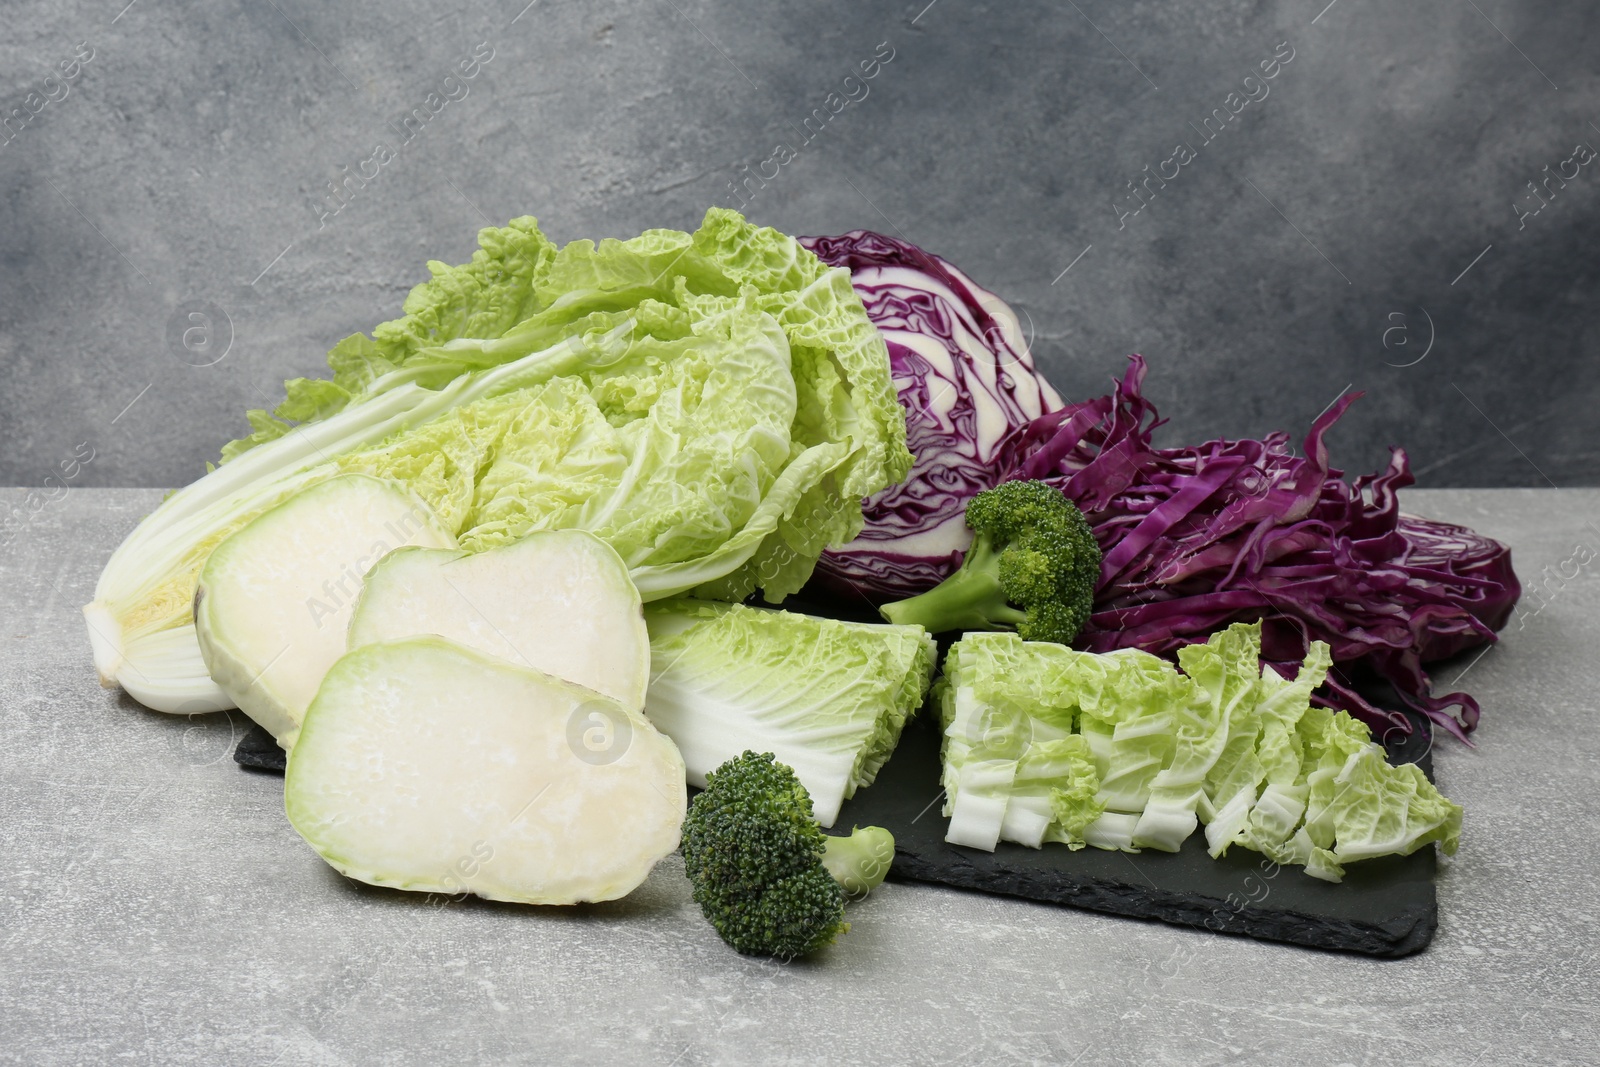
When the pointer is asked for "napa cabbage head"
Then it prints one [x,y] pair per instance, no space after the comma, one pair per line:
[714,405]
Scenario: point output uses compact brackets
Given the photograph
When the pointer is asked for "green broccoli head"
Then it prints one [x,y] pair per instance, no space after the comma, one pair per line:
[1032,567]
[753,853]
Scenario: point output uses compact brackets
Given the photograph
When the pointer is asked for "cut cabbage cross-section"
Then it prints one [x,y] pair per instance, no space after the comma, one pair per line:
[428,766]
[275,598]
[559,601]
[828,698]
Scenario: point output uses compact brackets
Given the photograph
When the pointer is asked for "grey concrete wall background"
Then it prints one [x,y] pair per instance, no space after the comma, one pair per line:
[1357,226]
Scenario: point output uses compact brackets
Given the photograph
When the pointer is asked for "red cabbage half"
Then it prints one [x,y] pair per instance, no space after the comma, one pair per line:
[1197,538]
[967,383]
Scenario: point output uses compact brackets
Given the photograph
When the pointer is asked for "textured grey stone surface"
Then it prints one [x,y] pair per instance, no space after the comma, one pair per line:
[1323,239]
[155,905]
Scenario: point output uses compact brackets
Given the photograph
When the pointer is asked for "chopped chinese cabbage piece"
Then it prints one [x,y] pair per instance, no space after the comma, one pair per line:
[428,766]
[827,698]
[1123,750]
[559,601]
[275,598]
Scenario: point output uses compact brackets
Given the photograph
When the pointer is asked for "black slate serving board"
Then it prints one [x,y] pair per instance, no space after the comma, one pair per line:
[1385,907]
[257,751]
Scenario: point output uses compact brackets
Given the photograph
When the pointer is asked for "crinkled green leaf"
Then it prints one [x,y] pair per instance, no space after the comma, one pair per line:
[741,448]
[481,298]
[484,297]
[309,399]
[357,362]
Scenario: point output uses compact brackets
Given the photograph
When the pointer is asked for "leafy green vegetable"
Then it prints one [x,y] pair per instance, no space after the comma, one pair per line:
[1121,750]
[712,405]
[829,698]
[762,870]
[482,298]
[1032,567]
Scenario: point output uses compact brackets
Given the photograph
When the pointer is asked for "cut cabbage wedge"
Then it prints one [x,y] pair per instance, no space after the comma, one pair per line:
[828,698]
[429,766]
[558,601]
[275,597]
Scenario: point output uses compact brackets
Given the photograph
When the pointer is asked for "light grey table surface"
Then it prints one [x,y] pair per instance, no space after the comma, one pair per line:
[157,907]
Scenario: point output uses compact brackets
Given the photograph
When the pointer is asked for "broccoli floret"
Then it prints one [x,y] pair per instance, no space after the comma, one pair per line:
[1032,567]
[761,867]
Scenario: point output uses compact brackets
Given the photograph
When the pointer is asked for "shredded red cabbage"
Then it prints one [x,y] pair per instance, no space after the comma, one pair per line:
[967,383]
[1197,538]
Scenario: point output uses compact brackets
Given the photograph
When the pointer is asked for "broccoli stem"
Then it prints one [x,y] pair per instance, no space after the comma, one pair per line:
[859,862]
[970,599]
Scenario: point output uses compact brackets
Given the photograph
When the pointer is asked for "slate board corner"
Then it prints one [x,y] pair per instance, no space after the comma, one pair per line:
[258,751]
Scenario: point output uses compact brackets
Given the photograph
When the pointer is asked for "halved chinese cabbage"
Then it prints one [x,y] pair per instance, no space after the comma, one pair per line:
[827,698]
[275,598]
[428,766]
[559,601]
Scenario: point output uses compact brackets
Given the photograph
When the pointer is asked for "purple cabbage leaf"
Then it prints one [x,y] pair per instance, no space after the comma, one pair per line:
[1200,537]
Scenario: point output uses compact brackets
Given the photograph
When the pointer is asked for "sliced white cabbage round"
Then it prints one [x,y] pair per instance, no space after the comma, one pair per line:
[275,598]
[559,601]
[429,766]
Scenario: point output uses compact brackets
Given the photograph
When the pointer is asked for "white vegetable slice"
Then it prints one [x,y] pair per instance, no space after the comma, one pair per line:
[558,601]
[977,808]
[429,766]
[275,597]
